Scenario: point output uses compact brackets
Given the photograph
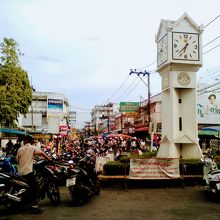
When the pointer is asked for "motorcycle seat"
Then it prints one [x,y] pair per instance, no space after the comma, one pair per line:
[14,176]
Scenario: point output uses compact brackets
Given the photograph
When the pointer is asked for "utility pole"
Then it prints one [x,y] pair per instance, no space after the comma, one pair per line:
[148,88]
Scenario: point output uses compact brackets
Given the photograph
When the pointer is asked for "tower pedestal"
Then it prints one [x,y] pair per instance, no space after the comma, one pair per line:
[184,151]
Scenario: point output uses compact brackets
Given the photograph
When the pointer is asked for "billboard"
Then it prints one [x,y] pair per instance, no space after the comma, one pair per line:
[208,108]
[129,106]
[55,106]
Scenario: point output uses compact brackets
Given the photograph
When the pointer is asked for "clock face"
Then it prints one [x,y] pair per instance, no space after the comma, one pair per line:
[185,46]
[183,78]
[162,51]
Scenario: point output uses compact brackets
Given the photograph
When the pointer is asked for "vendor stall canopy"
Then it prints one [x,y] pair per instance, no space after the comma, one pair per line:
[13,131]
[214,130]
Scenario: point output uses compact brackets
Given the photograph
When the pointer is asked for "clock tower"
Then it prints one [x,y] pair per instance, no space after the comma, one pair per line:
[179,57]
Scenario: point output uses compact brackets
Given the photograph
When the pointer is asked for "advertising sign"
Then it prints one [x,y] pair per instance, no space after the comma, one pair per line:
[129,106]
[154,168]
[72,118]
[208,108]
[54,106]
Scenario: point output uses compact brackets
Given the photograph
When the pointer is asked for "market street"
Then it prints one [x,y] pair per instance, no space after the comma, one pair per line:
[136,203]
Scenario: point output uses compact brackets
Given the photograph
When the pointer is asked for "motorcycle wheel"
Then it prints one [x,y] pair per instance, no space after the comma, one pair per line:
[12,205]
[97,188]
[54,193]
[78,195]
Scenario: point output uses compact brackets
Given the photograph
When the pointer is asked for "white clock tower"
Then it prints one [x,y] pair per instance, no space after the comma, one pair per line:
[179,57]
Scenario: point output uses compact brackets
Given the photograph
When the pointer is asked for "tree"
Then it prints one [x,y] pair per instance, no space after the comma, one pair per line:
[15,88]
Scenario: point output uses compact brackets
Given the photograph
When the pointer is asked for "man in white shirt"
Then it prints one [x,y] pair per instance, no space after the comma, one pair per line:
[25,158]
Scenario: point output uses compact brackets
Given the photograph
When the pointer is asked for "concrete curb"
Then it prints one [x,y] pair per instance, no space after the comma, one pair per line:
[106,180]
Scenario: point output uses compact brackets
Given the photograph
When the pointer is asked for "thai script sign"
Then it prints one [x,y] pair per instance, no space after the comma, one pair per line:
[208,108]
[129,106]
[154,168]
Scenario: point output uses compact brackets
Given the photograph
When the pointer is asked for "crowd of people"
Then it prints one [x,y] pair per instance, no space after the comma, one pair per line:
[98,145]
[103,146]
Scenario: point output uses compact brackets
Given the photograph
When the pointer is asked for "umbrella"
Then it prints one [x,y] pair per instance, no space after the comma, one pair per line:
[124,136]
[213,128]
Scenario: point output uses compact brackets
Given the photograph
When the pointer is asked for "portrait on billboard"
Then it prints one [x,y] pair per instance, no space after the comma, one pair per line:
[208,108]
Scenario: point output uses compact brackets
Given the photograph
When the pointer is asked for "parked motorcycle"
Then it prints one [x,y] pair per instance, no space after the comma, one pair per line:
[82,180]
[15,191]
[211,174]
[7,165]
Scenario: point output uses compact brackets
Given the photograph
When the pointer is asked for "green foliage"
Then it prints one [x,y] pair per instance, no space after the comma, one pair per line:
[187,167]
[15,89]
[191,167]
[149,154]
[115,168]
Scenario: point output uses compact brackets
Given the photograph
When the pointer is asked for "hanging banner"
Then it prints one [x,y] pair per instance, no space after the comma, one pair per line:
[154,168]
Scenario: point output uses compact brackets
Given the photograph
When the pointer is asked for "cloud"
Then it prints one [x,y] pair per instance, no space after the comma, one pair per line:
[94,39]
[44,58]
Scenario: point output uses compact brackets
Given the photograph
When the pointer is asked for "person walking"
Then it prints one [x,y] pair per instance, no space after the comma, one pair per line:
[25,158]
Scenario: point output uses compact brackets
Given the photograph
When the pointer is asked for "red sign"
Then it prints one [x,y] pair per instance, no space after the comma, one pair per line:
[64,128]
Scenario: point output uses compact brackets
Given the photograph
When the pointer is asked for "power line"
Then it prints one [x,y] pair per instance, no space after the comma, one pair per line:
[212,21]
[85,109]
[211,49]
[211,41]
[131,90]
[126,89]
[147,66]
[119,87]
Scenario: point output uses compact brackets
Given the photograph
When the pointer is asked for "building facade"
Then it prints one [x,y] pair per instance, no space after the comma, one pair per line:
[47,113]
[103,118]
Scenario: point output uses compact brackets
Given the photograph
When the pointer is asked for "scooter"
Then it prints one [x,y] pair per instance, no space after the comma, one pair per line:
[82,180]
[15,191]
[211,175]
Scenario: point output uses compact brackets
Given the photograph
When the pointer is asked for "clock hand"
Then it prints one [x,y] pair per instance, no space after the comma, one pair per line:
[185,47]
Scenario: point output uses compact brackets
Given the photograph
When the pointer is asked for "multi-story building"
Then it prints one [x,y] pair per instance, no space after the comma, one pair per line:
[47,113]
[137,123]
[103,118]
[142,123]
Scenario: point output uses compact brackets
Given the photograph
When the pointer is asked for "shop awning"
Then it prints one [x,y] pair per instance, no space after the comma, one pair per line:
[142,129]
[208,133]
[214,130]
[12,131]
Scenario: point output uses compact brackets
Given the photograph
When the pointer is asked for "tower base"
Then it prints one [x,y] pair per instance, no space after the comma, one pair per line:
[177,150]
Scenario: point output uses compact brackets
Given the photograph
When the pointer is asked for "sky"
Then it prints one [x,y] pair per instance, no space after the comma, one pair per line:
[86,48]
